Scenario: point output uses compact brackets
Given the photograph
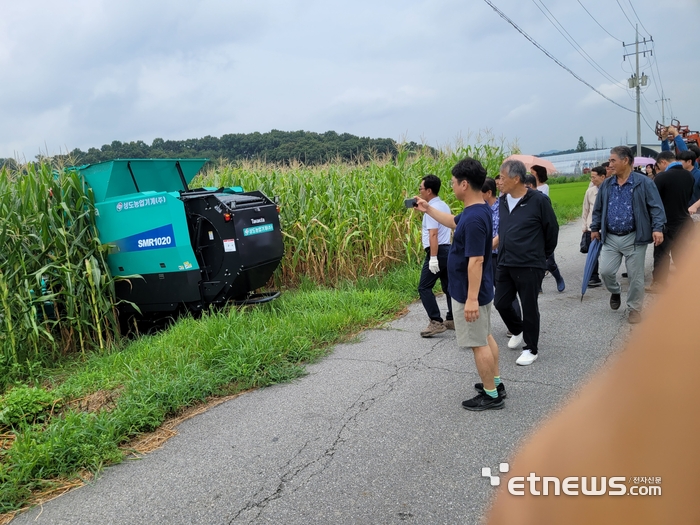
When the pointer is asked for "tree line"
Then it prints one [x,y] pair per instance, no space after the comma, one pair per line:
[276,146]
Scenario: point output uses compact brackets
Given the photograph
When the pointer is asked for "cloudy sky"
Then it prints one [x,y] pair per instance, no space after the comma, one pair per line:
[82,73]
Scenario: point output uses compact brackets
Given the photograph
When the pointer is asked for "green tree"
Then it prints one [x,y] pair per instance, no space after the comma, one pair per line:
[581,146]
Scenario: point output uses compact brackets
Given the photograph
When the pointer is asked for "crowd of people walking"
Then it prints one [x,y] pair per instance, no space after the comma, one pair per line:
[502,246]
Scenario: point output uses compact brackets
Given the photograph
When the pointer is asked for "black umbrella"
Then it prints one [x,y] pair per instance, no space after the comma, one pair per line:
[591,259]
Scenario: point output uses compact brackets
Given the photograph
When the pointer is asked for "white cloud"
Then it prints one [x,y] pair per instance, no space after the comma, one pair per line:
[612,91]
[523,110]
[82,73]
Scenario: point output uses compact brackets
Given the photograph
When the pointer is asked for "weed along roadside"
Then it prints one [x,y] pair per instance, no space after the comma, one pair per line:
[156,376]
[350,263]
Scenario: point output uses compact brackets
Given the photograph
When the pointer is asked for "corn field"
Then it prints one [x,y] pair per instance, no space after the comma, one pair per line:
[340,221]
[56,296]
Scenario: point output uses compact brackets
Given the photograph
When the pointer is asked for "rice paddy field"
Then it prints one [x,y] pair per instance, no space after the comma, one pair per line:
[567,200]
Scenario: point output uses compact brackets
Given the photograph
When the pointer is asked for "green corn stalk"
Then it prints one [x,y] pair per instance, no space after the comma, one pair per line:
[93,273]
[341,221]
[47,231]
[5,294]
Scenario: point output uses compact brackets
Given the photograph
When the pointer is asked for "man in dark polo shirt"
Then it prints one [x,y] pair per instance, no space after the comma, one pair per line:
[627,216]
[471,279]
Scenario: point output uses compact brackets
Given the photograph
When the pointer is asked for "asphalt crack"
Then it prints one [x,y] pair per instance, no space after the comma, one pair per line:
[296,474]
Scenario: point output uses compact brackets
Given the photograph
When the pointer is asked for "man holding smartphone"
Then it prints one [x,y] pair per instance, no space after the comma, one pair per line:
[436,243]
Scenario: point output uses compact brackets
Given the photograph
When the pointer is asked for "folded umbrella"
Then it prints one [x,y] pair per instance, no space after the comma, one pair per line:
[591,258]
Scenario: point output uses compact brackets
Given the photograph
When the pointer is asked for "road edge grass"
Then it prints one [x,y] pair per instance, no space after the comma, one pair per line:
[105,401]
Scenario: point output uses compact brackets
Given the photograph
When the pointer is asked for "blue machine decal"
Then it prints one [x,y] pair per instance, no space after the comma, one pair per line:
[162,237]
[255,230]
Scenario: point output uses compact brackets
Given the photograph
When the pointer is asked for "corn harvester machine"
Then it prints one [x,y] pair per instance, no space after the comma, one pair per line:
[178,247]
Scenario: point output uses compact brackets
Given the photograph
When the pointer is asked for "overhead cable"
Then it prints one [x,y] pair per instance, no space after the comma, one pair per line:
[575,44]
[627,17]
[557,61]
[639,19]
[596,21]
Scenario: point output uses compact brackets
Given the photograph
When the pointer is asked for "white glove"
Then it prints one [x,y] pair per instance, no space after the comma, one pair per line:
[433,265]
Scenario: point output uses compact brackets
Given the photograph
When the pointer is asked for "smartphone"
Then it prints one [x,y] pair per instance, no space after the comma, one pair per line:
[410,203]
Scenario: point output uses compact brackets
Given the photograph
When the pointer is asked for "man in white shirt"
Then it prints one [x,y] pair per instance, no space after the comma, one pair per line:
[436,243]
[598,175]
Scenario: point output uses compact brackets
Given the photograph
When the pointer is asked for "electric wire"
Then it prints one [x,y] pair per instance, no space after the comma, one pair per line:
[627,17]
[645,113]
[596,21]
[588,58]
[670,109]
[556,60]
[639,19]
[653,78]
[656,63]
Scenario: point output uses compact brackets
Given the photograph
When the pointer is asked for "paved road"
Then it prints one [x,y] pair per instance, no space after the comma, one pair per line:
[374,434]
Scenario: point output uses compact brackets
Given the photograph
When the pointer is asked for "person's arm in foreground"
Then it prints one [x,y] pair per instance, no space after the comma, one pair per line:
[656,212]
[596,221]
[606,430]
[694,208]
[474,271]
[586,209]
[444,218]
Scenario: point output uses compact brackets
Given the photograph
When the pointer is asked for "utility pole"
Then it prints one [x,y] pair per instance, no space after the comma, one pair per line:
[663,112]
[636,82]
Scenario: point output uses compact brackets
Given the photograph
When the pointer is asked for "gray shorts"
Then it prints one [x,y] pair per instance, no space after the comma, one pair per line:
[476,333]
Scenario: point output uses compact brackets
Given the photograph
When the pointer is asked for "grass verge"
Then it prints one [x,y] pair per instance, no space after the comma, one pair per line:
[100,403]
[107,400]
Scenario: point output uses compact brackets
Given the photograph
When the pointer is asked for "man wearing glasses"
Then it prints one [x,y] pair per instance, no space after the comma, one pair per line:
[627,216]
[436,243]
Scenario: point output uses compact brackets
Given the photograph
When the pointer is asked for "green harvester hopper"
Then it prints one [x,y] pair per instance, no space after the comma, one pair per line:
[189,247]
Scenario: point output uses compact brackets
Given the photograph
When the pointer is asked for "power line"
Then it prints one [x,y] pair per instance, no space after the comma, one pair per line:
[648,114]
[596,21]
[670,109]
[639,19]
[656,63]
[538,46]
[653,78]
[648,65]
[647,123]
[575,44]
[627,17]
[651,61]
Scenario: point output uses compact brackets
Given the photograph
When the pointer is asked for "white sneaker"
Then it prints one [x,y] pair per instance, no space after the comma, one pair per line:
[515,341]
[526,358]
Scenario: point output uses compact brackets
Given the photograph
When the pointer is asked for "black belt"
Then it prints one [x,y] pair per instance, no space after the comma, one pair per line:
[439,245]
[622,233]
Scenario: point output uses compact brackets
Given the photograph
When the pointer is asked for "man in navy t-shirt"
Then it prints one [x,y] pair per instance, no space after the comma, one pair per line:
[470,277]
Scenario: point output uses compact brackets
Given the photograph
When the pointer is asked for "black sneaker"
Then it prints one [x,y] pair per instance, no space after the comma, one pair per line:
[615,301]
[594,283]
[501,389]
[483,402]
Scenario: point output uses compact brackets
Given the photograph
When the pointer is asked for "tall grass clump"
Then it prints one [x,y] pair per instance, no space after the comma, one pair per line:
[56,295]
[342,221]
